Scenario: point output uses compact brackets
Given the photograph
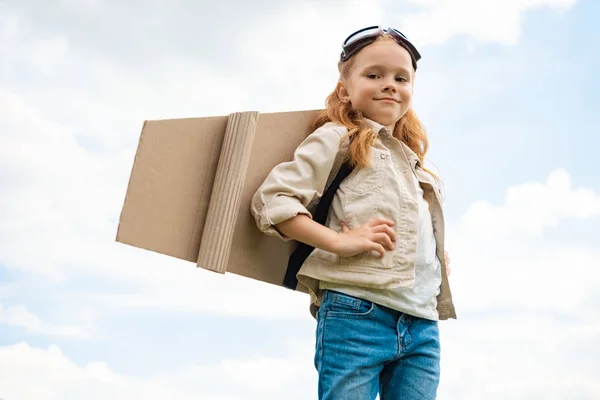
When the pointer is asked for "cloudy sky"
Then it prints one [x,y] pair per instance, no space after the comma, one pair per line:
[508,90]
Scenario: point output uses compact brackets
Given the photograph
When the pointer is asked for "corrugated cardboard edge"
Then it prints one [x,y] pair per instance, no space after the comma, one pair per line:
[224,204]
[119,237]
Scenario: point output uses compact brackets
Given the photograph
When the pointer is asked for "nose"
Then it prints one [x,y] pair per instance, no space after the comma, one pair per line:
[389,86]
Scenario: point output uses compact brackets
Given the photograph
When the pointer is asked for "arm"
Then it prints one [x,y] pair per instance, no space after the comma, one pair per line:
[376,235]
[303,229]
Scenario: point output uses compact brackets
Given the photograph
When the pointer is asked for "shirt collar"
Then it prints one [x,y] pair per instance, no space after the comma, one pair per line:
[386,133]
[377,127]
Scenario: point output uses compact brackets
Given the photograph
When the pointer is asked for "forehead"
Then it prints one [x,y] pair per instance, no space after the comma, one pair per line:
[385,53]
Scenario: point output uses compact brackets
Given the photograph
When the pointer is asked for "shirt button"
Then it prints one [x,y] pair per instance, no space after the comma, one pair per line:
[383,156]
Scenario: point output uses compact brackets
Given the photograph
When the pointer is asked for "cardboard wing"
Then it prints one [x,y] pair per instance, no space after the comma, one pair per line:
[191,186]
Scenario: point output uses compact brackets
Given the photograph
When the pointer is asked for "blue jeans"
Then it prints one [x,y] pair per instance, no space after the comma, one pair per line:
[363,349]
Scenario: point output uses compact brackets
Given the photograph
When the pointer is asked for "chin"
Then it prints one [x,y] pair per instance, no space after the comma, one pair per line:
[388,121]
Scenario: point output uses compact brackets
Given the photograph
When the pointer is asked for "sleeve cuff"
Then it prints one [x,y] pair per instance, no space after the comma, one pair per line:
[277,215]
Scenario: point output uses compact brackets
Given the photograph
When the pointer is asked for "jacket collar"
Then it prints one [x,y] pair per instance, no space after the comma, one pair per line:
[377,127]
[384,132]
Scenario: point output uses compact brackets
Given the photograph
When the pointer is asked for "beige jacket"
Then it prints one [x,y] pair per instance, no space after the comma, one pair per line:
[384,189]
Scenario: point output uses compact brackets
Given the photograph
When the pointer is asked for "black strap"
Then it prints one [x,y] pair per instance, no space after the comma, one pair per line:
[320,215]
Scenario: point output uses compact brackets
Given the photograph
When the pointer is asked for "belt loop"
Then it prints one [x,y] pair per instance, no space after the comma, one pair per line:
[325,296]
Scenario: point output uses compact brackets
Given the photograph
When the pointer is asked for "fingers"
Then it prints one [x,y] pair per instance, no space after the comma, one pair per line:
[377,235]
[380,221]
[383,226]
[383,239]
[387,230]
[379,249]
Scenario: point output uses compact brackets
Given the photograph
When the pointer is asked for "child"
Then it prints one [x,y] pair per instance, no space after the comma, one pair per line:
[378,271]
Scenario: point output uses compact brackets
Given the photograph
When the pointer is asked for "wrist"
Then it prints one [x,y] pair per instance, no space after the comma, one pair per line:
[332,242]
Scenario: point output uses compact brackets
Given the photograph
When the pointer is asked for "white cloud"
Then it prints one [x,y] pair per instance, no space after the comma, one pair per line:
[166,284]
[46,374]
[501,259]
[532,207]
[57,198]
[485,21]
[524,303]
[87,5]
[10,25]
[521,356]
[290,49]
[19,316]
[48,54]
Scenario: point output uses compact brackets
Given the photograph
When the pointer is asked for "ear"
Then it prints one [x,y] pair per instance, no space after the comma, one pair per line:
[342,92]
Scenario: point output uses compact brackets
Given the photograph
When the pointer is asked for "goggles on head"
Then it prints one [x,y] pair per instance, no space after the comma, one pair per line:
[366,36]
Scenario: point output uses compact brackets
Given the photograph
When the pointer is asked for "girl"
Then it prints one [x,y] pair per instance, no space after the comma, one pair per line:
[377,275]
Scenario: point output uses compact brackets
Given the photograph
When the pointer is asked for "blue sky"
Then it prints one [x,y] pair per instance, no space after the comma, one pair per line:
[509,95]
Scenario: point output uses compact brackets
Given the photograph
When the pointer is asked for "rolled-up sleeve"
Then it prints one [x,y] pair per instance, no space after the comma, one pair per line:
[291,186]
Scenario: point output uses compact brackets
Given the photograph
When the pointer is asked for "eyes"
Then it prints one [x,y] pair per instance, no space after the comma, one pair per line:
[399,78]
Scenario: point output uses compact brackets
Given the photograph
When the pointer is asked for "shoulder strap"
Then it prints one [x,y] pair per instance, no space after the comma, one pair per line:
[320,215]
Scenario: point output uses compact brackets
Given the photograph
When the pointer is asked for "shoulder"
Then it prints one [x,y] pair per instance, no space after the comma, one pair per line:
[325,139]
[332,129]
